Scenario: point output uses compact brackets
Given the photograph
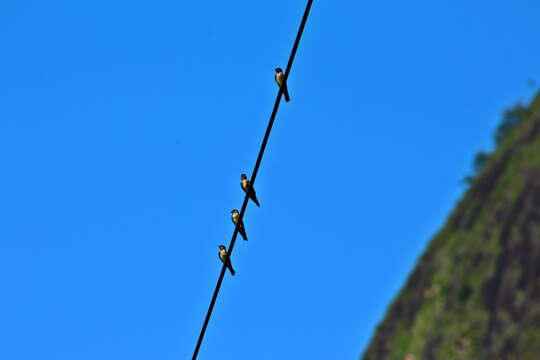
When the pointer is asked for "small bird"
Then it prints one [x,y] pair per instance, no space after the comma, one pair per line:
[234,217]
[245,184]
[223,257]
[279,80]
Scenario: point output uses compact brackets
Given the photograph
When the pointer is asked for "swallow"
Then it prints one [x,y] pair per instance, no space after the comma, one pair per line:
[223,257]
[234,217]
[279,80]
[245,184]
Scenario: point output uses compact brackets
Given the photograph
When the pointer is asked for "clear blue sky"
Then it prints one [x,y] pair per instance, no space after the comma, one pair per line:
[124,127]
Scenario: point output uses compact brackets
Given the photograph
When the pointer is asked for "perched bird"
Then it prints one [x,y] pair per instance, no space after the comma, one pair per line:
[234,217]
[279,77]
[245,184]
[223,257]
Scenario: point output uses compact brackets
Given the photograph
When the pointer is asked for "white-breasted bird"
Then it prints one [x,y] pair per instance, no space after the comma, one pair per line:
[244,183]
[234,217]
[223,257]
[279,77]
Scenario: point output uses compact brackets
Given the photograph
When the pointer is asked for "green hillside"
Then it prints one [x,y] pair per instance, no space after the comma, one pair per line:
[475,292]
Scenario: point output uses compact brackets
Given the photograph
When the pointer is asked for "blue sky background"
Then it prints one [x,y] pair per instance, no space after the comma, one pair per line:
[124,127]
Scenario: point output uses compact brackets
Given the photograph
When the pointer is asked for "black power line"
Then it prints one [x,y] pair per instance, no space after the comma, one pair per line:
[253,178]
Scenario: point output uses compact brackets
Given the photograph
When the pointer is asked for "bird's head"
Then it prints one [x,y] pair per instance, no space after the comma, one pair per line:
[243,176]
[221,247]
[234,211]
[278,70]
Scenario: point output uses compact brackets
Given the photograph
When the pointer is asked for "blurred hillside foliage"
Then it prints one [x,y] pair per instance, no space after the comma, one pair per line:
[475,292]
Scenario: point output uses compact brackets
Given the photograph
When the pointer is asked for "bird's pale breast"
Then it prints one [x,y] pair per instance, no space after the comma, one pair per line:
[279,78]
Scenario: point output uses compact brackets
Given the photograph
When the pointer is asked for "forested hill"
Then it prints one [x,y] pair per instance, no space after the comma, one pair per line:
[475,292]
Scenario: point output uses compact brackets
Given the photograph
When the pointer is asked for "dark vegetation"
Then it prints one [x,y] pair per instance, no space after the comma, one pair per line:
[511,118]
[475,292]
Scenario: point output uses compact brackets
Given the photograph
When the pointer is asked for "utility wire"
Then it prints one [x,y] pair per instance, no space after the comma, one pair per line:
[253,178]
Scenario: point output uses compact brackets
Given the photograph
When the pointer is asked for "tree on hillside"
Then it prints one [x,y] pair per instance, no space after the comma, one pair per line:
[511,118]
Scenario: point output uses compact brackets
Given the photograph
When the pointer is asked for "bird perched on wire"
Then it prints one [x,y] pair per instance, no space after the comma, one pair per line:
[279,77]
[245,184]
[234,217]
[223,257]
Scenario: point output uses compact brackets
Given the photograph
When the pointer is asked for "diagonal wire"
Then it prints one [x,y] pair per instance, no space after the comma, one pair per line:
[253,178]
